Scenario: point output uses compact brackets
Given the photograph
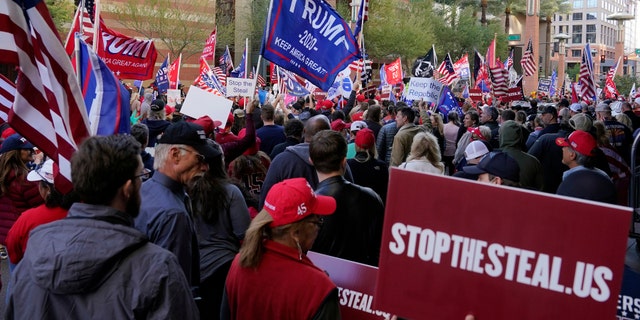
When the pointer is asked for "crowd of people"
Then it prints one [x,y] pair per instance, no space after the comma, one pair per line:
[187,217]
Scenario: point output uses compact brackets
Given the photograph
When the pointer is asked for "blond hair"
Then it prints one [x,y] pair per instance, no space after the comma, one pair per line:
[426,145]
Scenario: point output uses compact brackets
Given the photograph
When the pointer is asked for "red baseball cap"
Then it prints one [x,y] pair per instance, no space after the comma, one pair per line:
[360,98]
[339,125]
[365,138]
[292,200]
[580,141]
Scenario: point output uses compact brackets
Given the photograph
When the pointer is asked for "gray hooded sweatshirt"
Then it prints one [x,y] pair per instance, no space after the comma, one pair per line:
[95,265]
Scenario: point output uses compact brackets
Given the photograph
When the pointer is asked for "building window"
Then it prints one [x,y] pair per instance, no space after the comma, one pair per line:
[578,4]
[559,17]
[592,3]
[577,16]
[576,36]
[591,33]
[591,16]
[576,53]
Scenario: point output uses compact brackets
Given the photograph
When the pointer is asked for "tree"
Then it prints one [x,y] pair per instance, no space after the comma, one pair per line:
[398,29]
[624,83]
[182,26]
[547,9]
[61,12]
[573,71]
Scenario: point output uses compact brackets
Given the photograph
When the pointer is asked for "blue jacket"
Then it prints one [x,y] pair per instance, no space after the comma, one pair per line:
[165,220]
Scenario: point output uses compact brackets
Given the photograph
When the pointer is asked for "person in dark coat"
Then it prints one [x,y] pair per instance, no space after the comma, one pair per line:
[94,264]
[583,180]
[354,231]
[366,168]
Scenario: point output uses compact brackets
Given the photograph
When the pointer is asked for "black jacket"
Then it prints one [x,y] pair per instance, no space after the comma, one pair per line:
[354,231]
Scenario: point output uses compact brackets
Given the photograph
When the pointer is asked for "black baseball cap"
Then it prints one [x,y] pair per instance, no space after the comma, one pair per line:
[189,134]
[552,110]
[498,164]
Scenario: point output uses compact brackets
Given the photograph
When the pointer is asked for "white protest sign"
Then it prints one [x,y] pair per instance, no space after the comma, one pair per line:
[173,97]
[200,103]
[240,87]
[427,89]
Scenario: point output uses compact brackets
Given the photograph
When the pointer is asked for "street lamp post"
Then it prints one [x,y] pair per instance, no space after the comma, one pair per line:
[620,17]
[562,38]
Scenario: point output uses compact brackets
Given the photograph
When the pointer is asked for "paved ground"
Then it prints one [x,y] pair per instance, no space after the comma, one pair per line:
[4,266]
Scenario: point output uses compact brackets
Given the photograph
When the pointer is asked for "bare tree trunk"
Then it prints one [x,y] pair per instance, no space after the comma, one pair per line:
[483,17]
[507,23]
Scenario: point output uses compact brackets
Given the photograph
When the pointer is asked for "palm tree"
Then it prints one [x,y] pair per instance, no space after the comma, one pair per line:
[547,9]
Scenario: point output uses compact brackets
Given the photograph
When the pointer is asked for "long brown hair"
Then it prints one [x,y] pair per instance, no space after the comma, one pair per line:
[11,161]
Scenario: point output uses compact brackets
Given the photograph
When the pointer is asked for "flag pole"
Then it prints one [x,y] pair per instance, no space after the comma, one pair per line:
[178,75]
[277,70]
[75,20]
[255,76]
[76,50]
[246,60]
[96,27]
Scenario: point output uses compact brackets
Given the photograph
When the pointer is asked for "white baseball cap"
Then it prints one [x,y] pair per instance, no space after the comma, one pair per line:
[45,173]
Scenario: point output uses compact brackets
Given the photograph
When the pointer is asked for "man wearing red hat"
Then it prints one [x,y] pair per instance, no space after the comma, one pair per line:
[583,180]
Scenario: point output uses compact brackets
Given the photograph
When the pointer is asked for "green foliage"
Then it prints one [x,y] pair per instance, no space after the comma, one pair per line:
[573,71]
[62,13]
[402,30]
[182,26]
[624,83]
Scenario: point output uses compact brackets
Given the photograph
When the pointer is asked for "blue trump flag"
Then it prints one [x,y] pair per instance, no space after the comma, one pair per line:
[319,46]
[447,103]
[552,88]
[162,77]
[106,99]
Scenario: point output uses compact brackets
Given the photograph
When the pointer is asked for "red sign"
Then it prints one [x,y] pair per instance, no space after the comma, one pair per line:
[475,95]
[393,72]
[514,94]
[127,57]
[356,285]
[209,50]
[497,252]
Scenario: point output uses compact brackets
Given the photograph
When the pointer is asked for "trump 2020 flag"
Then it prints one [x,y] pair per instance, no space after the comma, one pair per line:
[319,46]
[162,76]
[106,99]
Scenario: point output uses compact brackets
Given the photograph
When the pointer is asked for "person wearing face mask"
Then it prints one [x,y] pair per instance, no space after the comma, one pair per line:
[272,277]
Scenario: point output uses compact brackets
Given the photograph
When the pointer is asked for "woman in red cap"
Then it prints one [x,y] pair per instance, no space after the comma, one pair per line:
[16,193]
[271,277]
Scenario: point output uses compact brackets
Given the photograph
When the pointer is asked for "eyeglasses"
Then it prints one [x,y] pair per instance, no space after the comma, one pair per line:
[145,175]
[199,156]
[319,222]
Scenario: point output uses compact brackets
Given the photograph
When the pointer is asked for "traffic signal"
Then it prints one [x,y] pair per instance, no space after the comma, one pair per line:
[625,59]
[603,58]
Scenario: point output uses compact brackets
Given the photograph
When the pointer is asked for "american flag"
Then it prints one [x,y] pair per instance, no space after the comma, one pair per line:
[447,72]
[226,64]
[48,109]
[207,80]
[587,83]
[509,62]
[499,80]
[356,65]
[7,95]
[83,23]
[528,61]
[260,80]
[221,76]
